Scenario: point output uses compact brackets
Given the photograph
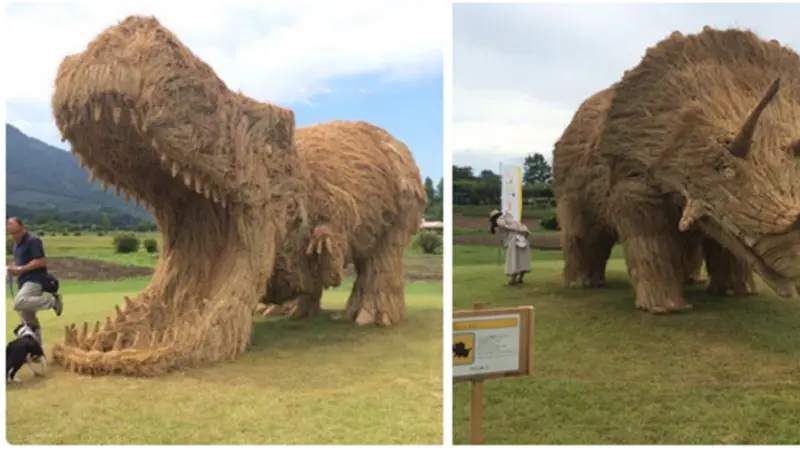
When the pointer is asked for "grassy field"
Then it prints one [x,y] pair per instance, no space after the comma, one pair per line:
[727,372]
[309,382]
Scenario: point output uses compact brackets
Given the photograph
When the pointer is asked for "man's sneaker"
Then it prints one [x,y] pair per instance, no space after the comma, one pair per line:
[58,305]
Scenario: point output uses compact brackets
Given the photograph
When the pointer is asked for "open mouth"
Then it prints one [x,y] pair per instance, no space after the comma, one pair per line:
[135,167]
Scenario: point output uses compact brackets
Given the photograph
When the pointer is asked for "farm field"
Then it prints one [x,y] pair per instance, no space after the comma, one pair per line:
[727,372]
[302,382]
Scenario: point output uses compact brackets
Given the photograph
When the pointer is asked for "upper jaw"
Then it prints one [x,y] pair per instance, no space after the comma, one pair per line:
[154,178]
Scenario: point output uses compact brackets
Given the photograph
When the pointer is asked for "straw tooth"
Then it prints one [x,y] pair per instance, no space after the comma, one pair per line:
[84,332]
[97,108]
[105,186]
[120,315]
[223,202]
[96,328]
[187,179]
[214,196]
[164,159]
[207,191]
[117,190]
[127,196]
[117,112]
[136,200]
[142,339]
[118,342]
[154,143]
[128,303]
[175,169]
[198,185]
[92,176]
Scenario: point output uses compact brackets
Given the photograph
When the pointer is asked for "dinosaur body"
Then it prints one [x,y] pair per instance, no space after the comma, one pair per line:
[692,153]
[235,200]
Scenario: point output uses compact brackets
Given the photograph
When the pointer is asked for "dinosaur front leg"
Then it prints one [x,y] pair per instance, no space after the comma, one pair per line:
[692,257]
[728,275]
[653,255]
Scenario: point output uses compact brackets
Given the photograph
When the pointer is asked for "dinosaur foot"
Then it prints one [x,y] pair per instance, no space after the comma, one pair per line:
[150,338]
[382,309]
[663,307]
[299,308]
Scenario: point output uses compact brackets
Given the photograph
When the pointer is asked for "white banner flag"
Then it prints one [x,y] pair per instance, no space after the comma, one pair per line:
[511,196]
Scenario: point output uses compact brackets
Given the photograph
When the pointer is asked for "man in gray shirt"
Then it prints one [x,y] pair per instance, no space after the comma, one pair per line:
[30,267]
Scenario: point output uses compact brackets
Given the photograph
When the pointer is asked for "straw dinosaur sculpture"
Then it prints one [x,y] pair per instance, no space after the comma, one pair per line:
[240,203]
[695,146]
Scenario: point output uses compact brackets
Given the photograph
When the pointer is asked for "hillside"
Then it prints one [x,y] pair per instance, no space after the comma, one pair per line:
[41,178]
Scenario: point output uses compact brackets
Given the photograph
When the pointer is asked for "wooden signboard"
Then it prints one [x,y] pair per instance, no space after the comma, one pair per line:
[490,343]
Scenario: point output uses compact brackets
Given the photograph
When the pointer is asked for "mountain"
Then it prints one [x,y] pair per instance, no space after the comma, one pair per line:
[45,179]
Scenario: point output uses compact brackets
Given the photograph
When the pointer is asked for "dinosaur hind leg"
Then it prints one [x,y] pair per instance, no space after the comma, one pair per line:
[378,294]
[587,248]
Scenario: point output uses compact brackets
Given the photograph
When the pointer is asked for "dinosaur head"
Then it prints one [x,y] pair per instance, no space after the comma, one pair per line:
[149,118]
[746,191]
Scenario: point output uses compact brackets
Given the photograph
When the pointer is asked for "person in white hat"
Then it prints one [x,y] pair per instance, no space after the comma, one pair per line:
[515,240]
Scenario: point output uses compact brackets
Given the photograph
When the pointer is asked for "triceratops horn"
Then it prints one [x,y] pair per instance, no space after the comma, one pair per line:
[740,146]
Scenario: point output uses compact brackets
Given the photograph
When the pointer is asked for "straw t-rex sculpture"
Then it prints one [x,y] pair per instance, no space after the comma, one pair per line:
[237,203]
[697,145]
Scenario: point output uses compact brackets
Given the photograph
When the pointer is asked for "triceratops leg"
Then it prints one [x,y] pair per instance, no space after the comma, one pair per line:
[586,247]
[728,275]
[653,251]
[692,251]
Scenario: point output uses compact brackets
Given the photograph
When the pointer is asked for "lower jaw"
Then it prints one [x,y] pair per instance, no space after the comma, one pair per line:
[784,287]
[196,309]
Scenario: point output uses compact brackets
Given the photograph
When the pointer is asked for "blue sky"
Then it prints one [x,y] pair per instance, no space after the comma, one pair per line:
[326,61]
[411,111]
[521,70]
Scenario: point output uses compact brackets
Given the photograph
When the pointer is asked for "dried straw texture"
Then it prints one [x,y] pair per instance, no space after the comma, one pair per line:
[217,170]
[239,206]
[699,136]
[367,200]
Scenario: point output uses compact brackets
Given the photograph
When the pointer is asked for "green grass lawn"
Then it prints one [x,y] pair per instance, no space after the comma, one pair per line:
[302,382]
[728,372]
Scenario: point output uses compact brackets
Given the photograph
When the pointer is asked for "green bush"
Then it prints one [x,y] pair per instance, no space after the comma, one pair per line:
[101,233]
[41,233]
[9,245]
[151,245]
[126,243]
[429,242]
[550,223]
[65,233]
[77,233]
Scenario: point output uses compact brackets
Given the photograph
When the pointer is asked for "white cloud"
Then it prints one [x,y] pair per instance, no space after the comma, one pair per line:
[520,71]
[278,51]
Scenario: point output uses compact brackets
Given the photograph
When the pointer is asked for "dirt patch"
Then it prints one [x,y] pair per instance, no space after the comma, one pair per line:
[423,269]
[68,268]
[549,240]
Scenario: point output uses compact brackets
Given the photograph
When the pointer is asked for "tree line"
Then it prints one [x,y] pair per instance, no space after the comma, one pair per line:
[485,188]
[435,193]
[102,219]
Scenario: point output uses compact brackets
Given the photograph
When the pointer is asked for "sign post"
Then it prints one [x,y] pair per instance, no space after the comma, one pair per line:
[490,343]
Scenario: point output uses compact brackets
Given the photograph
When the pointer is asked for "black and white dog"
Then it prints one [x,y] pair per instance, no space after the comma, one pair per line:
[25,349]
